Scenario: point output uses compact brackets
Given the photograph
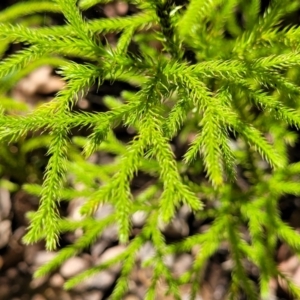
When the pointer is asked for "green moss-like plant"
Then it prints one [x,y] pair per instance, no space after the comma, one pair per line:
[233,87]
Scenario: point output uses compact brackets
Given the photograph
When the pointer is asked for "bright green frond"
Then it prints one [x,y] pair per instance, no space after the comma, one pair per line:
[24,9]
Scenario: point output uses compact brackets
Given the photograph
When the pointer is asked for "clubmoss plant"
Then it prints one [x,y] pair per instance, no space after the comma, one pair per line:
[225,87]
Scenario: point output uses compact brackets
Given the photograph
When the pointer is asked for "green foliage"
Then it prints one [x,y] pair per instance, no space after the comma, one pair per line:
[238,98]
